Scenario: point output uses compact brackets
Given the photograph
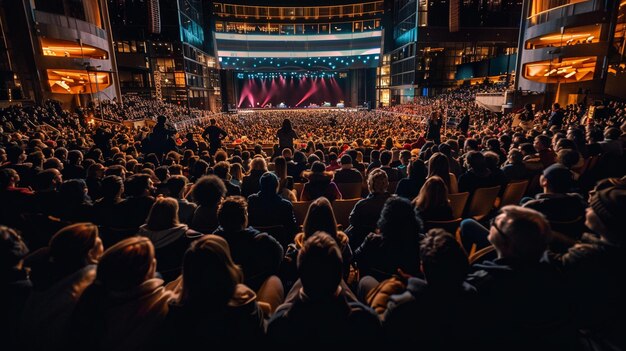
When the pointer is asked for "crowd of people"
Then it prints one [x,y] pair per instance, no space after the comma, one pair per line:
[139,239]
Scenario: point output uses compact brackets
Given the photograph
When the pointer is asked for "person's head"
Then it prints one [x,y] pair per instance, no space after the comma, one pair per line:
[12,249]
[399,220]
[417,170]
[320,266]
[346,161]
[385,157]
[556,179]
[127,264]
[209,274]
[112,187]
[556,106]
[75,246]
[542,142]
[161,119]
[286,124]
[476,161]
[220,156]
[438,166]
[515,157]
[377,181]
[280,167]
[287,153]
[405,157]
[318,167]
[606,212]
[236,171]
[208,191]
[222,169]
[8,178]
[375,155]
[433,194]
[320,217]
[54,163]
[258,164]
[73,191]
[232,214]
[444,262]
[138,185]
[213,121]
[612,133]
[568,158]
[163,214]
[268,184]
[75,157]
[520,233]
[527,149]
[176,186]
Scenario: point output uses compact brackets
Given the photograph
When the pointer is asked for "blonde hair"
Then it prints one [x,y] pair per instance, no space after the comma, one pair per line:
[434,193]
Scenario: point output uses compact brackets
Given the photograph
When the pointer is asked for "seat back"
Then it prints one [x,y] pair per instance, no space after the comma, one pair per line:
[300,209]
[350,190]
[486,253]
[449,226]
[298,188]
[458,202]
[342,209]
[513,193]
[482,202]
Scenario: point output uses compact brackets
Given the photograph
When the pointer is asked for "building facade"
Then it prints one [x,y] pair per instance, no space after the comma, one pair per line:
[57,49]
[572,49]
[432,38]
[164,50]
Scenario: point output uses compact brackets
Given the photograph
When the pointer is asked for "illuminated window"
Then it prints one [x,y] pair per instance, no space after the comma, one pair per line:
[65,48]
[63,81]
[571,69]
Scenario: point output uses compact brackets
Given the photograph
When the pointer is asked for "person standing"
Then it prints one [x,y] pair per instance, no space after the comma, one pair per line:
[557,116]
[214,135]
[434,127]
[464,123]
[285,135]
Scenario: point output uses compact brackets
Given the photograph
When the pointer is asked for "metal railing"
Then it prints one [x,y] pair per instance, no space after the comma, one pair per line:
[69,22]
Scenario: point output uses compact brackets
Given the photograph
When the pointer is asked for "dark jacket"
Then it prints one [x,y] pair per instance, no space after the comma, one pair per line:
[134,211]
[364,217]
[409,188]
[443,213]
[258,254]
[381,257]
[271,210]
[347,176]
[521,304]
[205,219]
[320,185]
[595,271]
[393,174]
[332,321]
[434,317]
[515,172]
[15,288]
[250,183]
[204,327]
[170,246]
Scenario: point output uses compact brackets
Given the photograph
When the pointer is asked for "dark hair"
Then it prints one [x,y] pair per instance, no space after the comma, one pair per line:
[126,264]
[176,184]
[438,166]
[385,157]
[399,219]
[232,213]
[417,169]
[112,187]
[210,276]
[208,191]
[70,246]
[73,191]
[137,184]
[320,217]
[221,169]
[320,266]
[444,261]
[286,125]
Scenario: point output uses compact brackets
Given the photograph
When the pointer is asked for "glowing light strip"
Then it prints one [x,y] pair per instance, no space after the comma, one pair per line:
[317,37]
[287,54]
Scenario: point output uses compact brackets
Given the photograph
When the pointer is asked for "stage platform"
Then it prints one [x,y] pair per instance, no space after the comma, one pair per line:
[299,109]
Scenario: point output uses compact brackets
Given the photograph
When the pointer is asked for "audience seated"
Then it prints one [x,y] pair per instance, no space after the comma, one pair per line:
[365,213]
[347,174]
[432,201]
[207,192]
[213,307]
[319,184]
[126,305]
[266,208]
[410,186]
[320,313]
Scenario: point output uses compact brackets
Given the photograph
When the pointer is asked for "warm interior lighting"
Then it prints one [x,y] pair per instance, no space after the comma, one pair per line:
[66,48]
[571,36]
[77,81]
[574,68]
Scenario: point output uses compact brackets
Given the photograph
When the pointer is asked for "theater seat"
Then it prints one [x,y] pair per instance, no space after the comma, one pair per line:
[458,202]
[342,209]
[300,209]
[482,202]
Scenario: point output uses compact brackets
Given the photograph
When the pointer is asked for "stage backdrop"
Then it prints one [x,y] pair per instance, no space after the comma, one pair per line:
[292,91]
